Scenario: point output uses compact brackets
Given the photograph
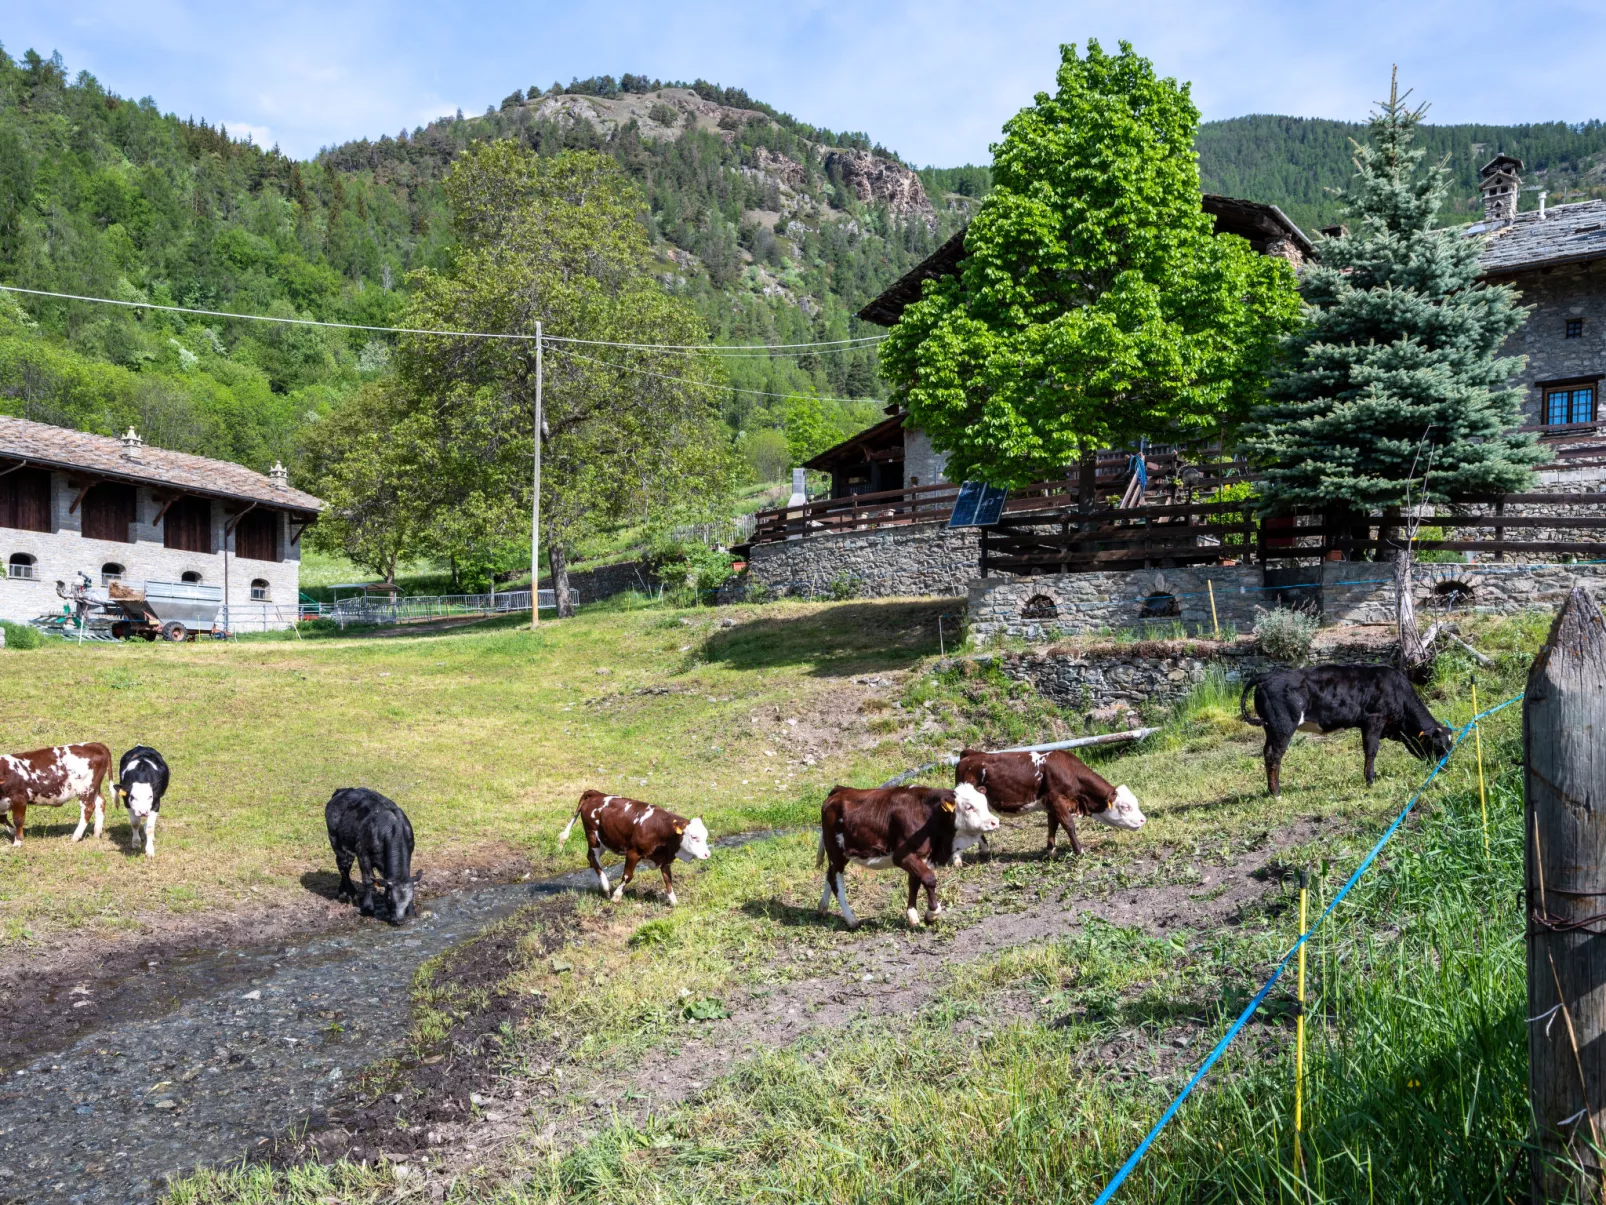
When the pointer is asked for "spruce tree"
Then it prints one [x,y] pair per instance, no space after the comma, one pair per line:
[1399,363]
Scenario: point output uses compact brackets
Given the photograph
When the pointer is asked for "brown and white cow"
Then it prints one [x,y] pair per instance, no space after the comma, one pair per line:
[903,827]
[639,831]
[49,778]
[1057,782]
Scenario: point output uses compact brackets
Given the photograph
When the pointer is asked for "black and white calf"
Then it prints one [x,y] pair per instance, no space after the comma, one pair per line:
[141,782]
[365,826]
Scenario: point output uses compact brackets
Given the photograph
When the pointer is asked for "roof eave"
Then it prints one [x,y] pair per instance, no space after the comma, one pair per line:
[1538,265]
[66,466]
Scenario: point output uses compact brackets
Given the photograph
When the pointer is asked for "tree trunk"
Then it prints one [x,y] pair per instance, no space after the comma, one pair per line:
[558,560]
[1563,716]
[457,585]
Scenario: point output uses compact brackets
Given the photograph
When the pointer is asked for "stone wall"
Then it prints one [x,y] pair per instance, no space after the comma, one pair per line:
[1577,291]
[922,463]
[1350,592]
[1155,671]
[922,558]
[594,585]
[64,551]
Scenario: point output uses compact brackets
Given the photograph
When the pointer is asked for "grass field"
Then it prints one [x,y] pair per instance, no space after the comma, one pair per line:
[486,738]
[1025,1072]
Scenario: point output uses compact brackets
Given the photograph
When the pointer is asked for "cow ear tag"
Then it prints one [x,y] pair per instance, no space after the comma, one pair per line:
[947,805]
[680,828]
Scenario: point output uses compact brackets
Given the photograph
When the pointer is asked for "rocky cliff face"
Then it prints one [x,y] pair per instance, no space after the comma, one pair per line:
[874,179]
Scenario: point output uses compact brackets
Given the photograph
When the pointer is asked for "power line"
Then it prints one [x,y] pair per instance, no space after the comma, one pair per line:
[708,384]
[756,350]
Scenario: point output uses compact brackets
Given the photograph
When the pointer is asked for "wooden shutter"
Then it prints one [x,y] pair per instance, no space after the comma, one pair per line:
[108,511]
[257,536]
[25,500]
[187,526]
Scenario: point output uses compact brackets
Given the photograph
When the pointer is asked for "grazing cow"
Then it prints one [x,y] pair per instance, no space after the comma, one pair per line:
[640,831]
[1377,699]
[904,827]
[141,783]
[1057,782]
[364,825]
[50,777]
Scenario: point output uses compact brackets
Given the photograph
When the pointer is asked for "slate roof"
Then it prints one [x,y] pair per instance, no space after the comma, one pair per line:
[101,456]
[1568,234]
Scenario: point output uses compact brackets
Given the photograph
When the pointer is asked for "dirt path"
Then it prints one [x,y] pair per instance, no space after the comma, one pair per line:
[893,976]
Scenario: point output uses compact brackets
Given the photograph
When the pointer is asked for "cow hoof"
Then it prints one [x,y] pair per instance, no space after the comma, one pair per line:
[672,899]
[914,919]
[618,894]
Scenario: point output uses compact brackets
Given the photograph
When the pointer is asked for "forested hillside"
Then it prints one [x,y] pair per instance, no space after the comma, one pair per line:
[1295,162]
[776,231]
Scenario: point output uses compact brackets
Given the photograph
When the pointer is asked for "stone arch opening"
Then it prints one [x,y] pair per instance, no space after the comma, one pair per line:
[1453,593]
[23,565]
[1040,606]
[1159,605]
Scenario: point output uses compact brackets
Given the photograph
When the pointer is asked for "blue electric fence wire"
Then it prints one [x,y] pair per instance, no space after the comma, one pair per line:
[1249,1011]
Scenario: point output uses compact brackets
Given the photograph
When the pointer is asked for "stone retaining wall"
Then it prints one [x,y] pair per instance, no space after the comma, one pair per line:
[1042,608]
[594,585]
[922,558]
[1156,671]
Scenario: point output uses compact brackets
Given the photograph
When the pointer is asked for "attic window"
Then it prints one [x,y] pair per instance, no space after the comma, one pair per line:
[1575,328]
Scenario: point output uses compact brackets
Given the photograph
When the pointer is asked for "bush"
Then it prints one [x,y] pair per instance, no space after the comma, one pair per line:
[690,566]
[21,636]
[843,588]
[1285,634]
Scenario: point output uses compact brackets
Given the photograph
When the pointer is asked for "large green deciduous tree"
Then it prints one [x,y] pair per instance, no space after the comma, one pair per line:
[1094,305]
[628,433]
[1399,365]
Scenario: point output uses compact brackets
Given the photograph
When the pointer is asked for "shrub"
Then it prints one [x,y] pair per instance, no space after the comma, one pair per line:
[843,588]
[21,636]
[664,115]
[1284,633]
[690,567]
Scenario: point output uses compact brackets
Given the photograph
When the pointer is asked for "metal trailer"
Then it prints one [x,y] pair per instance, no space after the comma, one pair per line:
[172,610]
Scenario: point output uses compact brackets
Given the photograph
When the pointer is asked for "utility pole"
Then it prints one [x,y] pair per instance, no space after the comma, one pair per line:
[535,499]
[1563,718]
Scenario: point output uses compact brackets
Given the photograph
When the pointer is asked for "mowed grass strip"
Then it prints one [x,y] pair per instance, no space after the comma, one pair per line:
[485,737]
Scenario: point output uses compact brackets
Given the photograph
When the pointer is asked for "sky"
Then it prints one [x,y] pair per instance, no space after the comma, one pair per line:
[932,80]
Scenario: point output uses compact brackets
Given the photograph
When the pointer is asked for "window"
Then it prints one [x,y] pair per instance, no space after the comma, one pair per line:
[21,565]
[187,526]
[189,575]
[111,572]
[257,536]
[25,499]
[108,513]
[1575,328]
[1573,404]
[259,589]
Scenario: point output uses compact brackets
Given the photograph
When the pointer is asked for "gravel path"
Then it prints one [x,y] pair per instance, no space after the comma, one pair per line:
[264,1038]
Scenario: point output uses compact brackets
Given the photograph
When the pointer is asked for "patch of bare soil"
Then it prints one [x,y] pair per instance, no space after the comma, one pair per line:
[398,1111]
[56,991]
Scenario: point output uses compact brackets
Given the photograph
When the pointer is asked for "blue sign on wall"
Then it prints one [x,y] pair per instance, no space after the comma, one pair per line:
[978,505]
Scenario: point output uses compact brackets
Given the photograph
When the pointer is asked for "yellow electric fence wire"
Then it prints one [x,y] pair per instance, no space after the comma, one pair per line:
[1483,799]
[1214,621]
[1299,1029]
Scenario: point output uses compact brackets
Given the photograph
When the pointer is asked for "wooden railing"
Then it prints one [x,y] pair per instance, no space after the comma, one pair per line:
[1071,541]
[1171,480]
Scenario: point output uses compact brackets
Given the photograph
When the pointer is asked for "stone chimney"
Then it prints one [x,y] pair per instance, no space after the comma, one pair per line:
[280,476]
[132,444]
[1500,180]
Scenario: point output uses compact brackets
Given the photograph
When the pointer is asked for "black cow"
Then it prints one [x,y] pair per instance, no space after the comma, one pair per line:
[1377,699]
[364,825]
[141,782]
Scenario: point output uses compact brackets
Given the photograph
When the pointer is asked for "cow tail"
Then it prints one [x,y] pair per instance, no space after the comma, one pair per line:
[819,858]
[1243,706]
[569,827]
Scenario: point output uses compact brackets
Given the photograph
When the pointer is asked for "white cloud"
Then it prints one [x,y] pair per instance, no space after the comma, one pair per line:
[261,135]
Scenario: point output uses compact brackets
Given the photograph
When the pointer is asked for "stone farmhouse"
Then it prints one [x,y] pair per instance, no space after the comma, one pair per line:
[119,510]
[1556,258]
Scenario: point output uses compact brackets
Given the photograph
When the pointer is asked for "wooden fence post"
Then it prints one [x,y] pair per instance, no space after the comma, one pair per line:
[1564,752]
